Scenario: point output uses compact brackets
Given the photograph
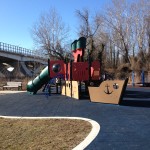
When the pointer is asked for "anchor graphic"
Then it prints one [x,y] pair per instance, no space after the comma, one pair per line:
[107,90]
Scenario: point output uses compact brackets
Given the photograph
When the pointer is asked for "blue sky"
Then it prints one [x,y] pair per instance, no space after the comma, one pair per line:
[18,16]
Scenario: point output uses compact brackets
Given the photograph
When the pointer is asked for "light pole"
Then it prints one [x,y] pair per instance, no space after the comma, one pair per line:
[10,69]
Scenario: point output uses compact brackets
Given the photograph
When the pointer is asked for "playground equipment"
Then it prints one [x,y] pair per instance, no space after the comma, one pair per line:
[80,77]
[109,91]
[39,81]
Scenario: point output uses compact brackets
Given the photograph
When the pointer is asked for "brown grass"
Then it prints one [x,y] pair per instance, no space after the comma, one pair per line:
[51,134]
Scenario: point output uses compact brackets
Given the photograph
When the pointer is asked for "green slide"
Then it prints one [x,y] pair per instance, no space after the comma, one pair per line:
[36,84]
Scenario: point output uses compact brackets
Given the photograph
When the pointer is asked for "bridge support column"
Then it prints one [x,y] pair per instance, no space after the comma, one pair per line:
[28,71]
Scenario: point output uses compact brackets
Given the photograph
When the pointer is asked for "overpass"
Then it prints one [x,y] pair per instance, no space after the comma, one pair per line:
[24,61]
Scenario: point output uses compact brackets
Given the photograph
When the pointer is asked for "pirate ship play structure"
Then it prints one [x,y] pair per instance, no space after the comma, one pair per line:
[80,77]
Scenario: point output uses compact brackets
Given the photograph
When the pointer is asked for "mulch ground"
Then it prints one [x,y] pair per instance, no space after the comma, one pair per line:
[58,134]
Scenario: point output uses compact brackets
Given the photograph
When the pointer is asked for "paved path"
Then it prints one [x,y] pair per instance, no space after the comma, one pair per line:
[123,127]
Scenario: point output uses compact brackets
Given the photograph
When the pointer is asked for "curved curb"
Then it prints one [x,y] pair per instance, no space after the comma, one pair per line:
[91,136]
[10,92]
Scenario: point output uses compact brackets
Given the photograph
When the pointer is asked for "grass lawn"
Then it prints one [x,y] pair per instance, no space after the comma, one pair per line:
[46,134]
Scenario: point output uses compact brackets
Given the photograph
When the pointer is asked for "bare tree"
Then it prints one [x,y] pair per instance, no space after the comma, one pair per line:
[49,33]
[89,27]
[148,33]
[126,28]
[84,26]
[118,22]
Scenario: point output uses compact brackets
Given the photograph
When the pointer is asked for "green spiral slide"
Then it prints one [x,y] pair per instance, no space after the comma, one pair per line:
[36,84]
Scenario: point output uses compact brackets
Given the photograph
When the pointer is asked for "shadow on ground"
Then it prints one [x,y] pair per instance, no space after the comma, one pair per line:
[137,98]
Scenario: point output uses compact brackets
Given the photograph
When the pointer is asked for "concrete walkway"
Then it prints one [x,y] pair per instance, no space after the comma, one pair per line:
[123,127]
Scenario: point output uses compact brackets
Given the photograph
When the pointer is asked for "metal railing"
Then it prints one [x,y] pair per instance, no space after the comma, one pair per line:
[21,51]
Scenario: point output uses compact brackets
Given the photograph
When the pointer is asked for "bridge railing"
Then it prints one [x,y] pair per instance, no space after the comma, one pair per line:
[19,50]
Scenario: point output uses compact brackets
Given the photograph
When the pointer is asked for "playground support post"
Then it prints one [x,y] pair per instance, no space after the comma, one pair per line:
[49,90]
[143,77]
[71,77]
[133,75]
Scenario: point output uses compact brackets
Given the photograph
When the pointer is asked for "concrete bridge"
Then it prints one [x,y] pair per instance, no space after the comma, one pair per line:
[24,61]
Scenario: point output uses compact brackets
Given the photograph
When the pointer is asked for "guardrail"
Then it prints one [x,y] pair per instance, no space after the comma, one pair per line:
[19,50]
